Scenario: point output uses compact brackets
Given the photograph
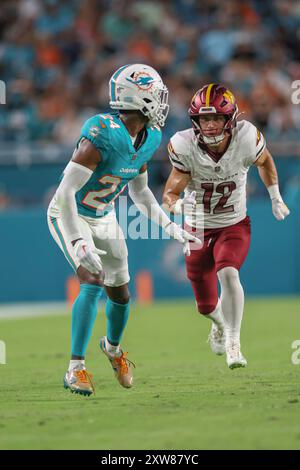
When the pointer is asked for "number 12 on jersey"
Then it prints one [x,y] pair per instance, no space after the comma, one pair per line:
[225,190]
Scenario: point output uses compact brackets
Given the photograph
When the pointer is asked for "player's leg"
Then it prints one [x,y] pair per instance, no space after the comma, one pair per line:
[110,237]
[232,299]
[84,310]
[117,313]
[230,251]
[201,272]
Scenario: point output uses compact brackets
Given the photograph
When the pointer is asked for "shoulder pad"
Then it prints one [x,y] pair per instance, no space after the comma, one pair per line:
[181,141]
[251,139]
[179,150]
[97,131]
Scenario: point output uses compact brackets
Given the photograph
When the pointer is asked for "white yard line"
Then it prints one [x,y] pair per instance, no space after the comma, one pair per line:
[30,310]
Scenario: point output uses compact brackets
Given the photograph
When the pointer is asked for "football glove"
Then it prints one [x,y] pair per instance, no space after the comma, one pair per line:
[186,205]
[280,210]
[88,257]
[184,237]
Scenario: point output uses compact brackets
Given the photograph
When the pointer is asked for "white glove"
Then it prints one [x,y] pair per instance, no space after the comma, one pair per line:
[280,210]
[181,235]
[88,258]
[186,205]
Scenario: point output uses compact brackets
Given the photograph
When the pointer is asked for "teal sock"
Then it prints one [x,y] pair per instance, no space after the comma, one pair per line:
[84,314]
[117,316]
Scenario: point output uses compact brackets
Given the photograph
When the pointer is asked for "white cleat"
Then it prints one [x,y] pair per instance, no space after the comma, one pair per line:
[234,357]
[216,339]
[78,380]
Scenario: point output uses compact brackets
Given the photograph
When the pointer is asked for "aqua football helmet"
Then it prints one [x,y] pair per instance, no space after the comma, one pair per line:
[140,87]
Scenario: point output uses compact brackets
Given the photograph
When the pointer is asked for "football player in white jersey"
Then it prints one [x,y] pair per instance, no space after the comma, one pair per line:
[210,165]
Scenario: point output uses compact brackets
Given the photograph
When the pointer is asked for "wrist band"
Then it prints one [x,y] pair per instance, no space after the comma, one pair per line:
[274,192]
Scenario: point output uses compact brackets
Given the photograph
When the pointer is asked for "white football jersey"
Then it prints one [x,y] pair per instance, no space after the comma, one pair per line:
[220,185]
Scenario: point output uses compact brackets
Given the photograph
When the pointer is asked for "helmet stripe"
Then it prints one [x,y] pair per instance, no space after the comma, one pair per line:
[207,97]
[113,85]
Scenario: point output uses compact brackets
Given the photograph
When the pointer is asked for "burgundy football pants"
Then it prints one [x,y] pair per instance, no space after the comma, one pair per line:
[223,247]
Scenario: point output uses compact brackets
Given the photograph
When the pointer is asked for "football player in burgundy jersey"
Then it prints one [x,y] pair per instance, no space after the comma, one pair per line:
[210,165]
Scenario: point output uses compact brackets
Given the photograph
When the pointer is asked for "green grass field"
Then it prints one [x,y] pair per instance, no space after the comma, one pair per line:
[184,397]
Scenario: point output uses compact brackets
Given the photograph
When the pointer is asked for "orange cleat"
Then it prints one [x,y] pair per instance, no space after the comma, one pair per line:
[121,365]
[78,380]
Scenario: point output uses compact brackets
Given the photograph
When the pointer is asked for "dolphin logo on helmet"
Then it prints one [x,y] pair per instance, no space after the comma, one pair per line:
[144,81]
[140,87]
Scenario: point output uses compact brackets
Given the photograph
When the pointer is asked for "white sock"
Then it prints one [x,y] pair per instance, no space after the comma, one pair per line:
[232,301]
[76,362]
[111,349]
[216,316]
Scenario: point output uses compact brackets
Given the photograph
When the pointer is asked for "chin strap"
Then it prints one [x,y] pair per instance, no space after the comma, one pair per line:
[213,140]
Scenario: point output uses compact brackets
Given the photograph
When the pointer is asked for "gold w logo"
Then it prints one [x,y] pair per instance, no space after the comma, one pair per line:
[227,94]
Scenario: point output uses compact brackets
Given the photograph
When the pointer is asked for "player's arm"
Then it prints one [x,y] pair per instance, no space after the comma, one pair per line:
[268,174]
[146,202]
[176,184]
[178,180]
[267,169]
[87,155]
[76,174]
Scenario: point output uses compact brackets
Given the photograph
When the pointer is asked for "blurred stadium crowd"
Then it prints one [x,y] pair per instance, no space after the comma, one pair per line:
[56,57]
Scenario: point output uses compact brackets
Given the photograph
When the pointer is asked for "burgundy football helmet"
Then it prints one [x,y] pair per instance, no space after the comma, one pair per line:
[213,99]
